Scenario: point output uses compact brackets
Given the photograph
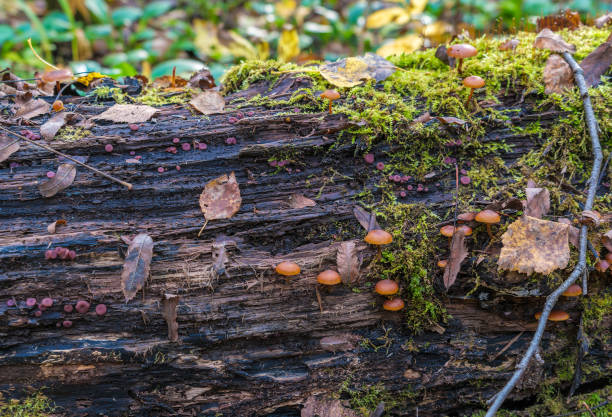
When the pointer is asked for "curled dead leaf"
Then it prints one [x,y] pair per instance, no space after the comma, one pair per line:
[551,41]
[8,146]
[28,108]
[52,227]
[604,20]
[534,245]
[538,202]
[365,219]
[352,71]
[63,178]
[450,120]
[424,118]
[606,240]
[590,218]
[169,304]
[137,265]
[574,232]
[127,113]
[597,64]
[220,198]
[558,76]
[202,79]
[458,252]
[50,128]
[347,262]
[208,102]
[298,201]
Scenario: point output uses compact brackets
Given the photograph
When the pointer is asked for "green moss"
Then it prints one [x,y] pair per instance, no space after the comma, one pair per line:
[365,398]
[596,306]
[72,133]
[156,97]
[35,405]
[109,92]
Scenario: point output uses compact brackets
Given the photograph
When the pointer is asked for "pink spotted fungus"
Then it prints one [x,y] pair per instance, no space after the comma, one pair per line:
[230,141]
[380,166]
[232,120]
[463,171]
[10,302]
[50,174]
[67,323]
[186,146]
[50,254]
[406,178]
[239,115]
[202,146]
[68,308]
[397,178]
[409,187]
[273,163]
[176,140]
[465,180]
[134,127]
[31,302]
[282,163]
[178,167]
[250,113]
[402,193]
[108,147]
[82,306]
[38,313]
[137,157]
[171,149]
[47,302]
[72,255]
[369,158]
[101,309]
[160,169]
[58,324]
[132,153]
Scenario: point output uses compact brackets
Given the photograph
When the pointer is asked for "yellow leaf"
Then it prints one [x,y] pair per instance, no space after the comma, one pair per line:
[263,50]
[288,45]
[86,79]
[417,6]
[285,8]
[352,71]
[383,17]
[206,37]
[405,44]
[241,47]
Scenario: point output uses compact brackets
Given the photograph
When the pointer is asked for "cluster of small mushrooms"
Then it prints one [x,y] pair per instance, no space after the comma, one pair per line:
[460,52]
[330,278]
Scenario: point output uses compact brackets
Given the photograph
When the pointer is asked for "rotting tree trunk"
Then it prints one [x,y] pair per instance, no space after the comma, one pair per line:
[249,341]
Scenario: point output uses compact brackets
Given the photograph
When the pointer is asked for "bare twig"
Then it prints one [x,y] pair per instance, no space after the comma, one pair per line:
[76,161]
[551,300]
[579,411]
[583,350]
[505,348]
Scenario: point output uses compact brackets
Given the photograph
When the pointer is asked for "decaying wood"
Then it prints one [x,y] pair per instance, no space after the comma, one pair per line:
[248,341]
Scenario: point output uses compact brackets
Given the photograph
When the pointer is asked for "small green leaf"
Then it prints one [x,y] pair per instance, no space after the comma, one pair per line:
[113,60]
[99,9]
[93,32]
[124,16]
[137,55]
[184,67]
[156,9]
[56,20]
[6,33]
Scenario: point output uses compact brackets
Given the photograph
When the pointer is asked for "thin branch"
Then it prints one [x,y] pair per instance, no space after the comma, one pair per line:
[76,161]
[581,410]
[551,300]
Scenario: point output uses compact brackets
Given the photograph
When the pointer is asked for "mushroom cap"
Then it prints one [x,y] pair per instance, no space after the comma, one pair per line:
[386,287]
[488,217]
[573,291]
[442,263]
[82,306]
[467,230]
[473,81]
[101,309]
[52,76]
[461,50]
[608,257]
[330,94]
[555,315]
[378,237]
[47,302]
[466,217]
[68,308]
[602,265]
[287,268]
[447,230]
[394,304]
[329,277]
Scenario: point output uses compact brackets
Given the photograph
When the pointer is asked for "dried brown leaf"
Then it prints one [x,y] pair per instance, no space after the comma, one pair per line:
[137,265]
[574,232]
[424,118]
[169,304]
[165,82]
[534,245]
[8,146]
[549,40]
[604,20]
[558,76]
[347,262]
[27,108]
[52,227]
[352,71]
[202,79]
[442,55]
[458,252]
[298,201]
[597,64]
[321,407]
[365,219]
[450,120]
[208,102]
[509,45]
[53,125]
[221,198]
[127,113]
[591,218]
[538,202]
[340,343]
[606,240]
[63,178]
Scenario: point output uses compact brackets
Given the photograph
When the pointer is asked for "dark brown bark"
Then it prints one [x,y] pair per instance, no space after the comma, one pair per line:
[248,341]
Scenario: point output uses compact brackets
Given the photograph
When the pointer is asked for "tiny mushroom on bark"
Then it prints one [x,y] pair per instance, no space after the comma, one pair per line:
[555,315]
[47,302]
[573,291]
[472,82]
[58,75]
[442,263]
[101,309]
[386,287]
[82,306]
[287,269]
[330,95]
[461,51]
[466,217]
[394,304]
[488,217]
[378,237]
[329,278]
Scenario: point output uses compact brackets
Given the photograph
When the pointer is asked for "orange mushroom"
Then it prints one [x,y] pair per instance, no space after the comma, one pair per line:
[394,304]
[555,315]
[378,237]
[466,217]
[386,287]
[573,291]
[488,217]
[472,82]
[287,269]
[442,263]
[330,95]
[58,105]
[448,231]
[329,277]
[461,51]
[57,75]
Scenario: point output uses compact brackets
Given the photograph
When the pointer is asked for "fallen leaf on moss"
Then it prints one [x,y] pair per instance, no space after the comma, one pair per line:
[220,198]
[424,118]
[202,79]
[52,227]
[558,76]
[365,219]
[169,304]
[574,232]
[402,45]
[347,262]
[8,146]
[127,113]
[442,55]
[53,125]
[604,20]
[137,265]
[208,102]
[298,201]
[458,252]
[63,178]
[534,245]
[352,71]
[606,240]
[597,64]
[538,201]
[591,218]
[27,108]
[549,40]
[450,120]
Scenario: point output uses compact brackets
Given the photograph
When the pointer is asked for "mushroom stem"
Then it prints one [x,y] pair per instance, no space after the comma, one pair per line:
[330,105]
[467,103]
[489,231]
[378,254]
[459,65]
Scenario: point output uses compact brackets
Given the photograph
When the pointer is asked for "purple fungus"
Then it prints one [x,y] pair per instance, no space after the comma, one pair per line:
[10,302]
[101,309]
[186,146]
[71,255]
[380,166]
[232,120]
[273,163]
[31,302]
[132,153]
[447,160]
[176,140]
[171,149]
[160,170]
[397,178]
[178,167]
[50,174]
[108,147]
[13,165]
[38,313]
[297,110]
[458,142]
[202,146]
[468,164]
[282,163]
[463,172]
[230,141]
[68,308]
[369,158]
[137,157]
[420,187]
[48,253]
[426,189]
[67,323]
[391,177]
[58,324]
[239,115]
[402,193]
[82,306]
[47,302]
[409,187]
[134,127]
[406,178]
[250,113]
[465,180]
